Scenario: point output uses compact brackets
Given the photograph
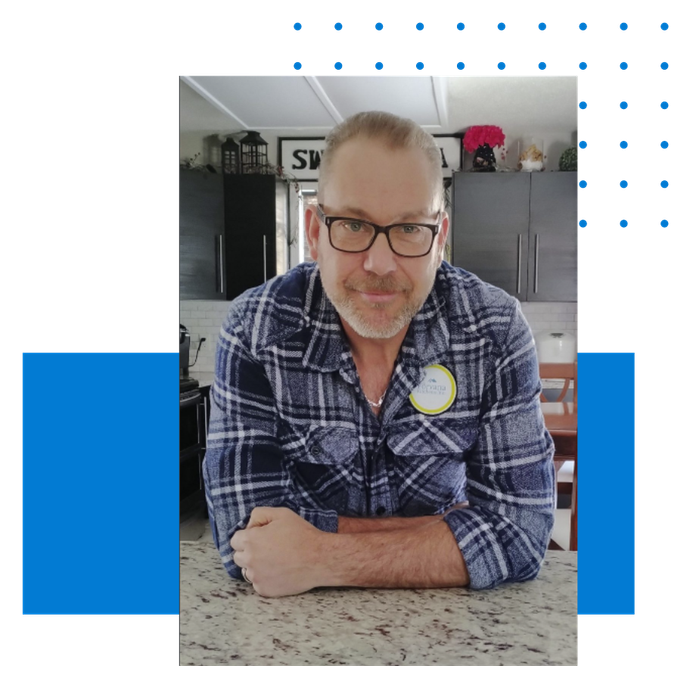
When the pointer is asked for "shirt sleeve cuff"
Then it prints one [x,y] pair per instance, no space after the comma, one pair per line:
[488,563]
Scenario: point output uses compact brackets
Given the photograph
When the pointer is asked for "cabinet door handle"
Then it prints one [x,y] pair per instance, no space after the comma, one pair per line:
[220,282]
[264,259]
[519,275]
[536,263]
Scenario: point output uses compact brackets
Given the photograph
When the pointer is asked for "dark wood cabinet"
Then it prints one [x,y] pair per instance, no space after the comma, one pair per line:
[255,205]
[229,232]
[519,232]
[202,228]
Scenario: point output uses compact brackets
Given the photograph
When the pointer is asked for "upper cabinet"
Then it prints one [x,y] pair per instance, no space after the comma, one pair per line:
[233,233]
[202,229]
[518,231]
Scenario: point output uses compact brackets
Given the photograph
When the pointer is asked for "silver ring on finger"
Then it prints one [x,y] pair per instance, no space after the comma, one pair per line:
[244,575]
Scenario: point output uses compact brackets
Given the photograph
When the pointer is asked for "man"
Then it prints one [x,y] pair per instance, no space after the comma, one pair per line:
[375,418]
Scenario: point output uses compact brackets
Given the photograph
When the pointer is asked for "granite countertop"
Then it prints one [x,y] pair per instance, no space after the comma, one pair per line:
[224,622]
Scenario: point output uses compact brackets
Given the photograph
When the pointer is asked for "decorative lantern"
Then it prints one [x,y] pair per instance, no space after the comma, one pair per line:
[254,154]
[230,156]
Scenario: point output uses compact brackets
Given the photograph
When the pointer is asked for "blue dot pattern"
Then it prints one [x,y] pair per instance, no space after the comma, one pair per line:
[626,60]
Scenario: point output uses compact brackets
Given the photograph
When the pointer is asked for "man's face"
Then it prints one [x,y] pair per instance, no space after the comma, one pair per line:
[377,292]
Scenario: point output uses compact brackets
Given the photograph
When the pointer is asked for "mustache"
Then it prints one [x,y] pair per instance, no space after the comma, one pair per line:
[383,284]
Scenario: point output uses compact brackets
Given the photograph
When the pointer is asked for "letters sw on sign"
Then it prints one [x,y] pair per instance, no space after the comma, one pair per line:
[314,159]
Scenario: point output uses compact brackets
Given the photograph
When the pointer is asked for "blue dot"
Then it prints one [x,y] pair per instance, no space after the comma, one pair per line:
[664,26]
[461,65]
[624,184]
[664,65]
[338,66]
[583,144]
[298,26]
[664,105]
[501,65]
[664,184]
[542,65]
[420,26]
[501,26]
[583,184]
[583,65]
[461,26]
[624,223]
[420,65]
[379,65]
[624,144]
[583,26]
[664,144]
[664,223]
[624,105]
[583,105]
[379,26]
[624,65]
[583,223]
[542,26]
[338,26]
[624,26]
[298,65]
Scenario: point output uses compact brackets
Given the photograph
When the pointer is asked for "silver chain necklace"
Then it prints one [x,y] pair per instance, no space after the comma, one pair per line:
[376,405]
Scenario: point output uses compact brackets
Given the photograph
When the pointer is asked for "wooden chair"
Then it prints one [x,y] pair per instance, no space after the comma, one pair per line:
[565,441]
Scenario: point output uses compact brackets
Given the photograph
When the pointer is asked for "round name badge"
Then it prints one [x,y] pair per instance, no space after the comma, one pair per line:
[436,391]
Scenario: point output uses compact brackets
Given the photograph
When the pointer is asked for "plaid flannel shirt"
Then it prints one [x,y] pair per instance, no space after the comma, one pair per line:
[291,427]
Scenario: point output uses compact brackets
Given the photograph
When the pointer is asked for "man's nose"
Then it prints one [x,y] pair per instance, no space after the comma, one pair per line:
[380,259]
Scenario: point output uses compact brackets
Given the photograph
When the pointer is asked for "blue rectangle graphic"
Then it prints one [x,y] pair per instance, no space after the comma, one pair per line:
[606,483]
[101,484]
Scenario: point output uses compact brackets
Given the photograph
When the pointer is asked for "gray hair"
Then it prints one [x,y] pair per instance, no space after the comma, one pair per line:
[396,131]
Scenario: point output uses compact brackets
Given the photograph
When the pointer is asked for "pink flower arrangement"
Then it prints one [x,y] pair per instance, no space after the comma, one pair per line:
[477,136]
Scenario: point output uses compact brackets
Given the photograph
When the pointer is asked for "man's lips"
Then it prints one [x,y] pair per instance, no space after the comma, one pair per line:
[378,296]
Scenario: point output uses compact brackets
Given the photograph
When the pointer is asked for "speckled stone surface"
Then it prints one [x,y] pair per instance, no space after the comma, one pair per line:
[223,621]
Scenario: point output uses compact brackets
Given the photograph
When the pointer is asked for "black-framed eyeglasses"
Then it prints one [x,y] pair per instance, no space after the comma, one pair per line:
[354,235]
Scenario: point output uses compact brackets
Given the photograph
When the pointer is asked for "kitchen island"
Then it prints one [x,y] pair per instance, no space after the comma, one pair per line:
[225,622]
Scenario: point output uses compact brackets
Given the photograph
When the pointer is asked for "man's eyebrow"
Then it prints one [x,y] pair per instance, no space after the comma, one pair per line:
[357,212]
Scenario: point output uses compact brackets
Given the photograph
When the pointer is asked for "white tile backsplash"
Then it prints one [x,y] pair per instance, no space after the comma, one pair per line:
[204,318]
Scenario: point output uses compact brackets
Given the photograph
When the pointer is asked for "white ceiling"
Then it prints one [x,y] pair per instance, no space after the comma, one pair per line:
[285,105]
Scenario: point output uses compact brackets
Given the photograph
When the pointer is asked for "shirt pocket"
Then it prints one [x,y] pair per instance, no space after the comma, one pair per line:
[321,464]
[428,464]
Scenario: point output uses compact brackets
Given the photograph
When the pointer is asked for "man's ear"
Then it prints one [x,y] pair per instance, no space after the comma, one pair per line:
[312,228]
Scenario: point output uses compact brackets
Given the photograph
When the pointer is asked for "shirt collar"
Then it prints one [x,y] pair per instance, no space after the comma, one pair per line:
[327,348]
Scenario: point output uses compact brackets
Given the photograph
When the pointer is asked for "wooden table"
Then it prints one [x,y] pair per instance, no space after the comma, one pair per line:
[561,422]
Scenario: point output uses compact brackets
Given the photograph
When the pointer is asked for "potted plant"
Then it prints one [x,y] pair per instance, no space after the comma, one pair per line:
[482,140]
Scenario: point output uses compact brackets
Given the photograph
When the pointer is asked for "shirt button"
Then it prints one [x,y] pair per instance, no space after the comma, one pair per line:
[315,450]
[381,511]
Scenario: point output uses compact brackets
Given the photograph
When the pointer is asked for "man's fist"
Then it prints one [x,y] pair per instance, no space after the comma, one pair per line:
[280,552]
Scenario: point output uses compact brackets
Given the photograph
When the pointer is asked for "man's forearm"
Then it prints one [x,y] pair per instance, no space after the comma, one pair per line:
[423,556]
[347,524]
